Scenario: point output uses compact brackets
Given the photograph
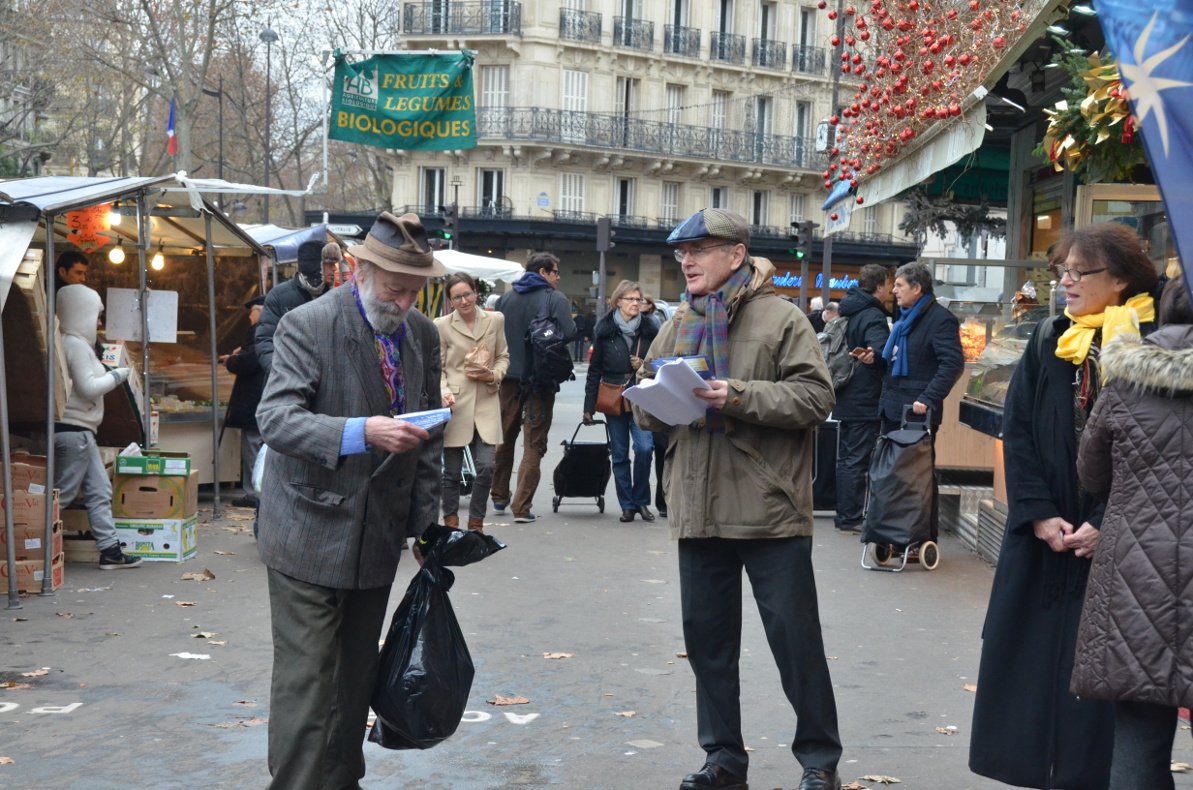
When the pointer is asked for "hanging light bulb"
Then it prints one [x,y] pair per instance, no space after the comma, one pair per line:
[159,261]
[116,254]
[114,217]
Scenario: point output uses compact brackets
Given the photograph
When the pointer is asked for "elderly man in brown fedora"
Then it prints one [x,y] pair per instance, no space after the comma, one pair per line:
[345,486]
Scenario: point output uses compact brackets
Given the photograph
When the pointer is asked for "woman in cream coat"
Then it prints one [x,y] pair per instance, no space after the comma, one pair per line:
[474,358]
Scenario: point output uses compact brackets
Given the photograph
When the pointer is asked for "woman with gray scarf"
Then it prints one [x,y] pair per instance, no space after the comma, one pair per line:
[619,343]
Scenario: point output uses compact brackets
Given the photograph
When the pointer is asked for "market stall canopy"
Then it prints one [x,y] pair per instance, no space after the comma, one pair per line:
[284,241]
[479,266]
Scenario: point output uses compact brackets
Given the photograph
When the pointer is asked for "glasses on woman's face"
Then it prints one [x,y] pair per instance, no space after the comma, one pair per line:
[464,297]
[631,299]
[699,253]
[1074,274]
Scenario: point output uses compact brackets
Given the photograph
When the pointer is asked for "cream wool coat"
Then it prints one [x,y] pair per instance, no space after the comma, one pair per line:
[477,407]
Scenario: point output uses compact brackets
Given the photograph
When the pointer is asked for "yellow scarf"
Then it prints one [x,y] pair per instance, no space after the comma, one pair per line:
[1074,344]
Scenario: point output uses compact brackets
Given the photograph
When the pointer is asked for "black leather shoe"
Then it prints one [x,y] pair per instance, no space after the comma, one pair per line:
[646,514]
[820,779]
[627,515]
[713,777]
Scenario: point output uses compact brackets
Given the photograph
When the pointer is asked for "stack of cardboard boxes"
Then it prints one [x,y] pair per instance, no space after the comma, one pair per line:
[28,508]
[155,501]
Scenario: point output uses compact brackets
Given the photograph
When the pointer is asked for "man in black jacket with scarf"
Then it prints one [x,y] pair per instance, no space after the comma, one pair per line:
[864,306]
[317,265]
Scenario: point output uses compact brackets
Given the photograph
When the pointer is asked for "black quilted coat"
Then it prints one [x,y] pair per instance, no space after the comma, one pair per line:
[1135,641]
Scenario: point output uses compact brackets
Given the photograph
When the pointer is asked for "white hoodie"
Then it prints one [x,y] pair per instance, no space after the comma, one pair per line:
[78,317]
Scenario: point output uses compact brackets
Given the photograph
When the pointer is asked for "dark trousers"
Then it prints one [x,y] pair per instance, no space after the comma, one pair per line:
[780,572]
[324,668]
[534,414]
[855,445]
[1143,735]
[660,440]
[889,425]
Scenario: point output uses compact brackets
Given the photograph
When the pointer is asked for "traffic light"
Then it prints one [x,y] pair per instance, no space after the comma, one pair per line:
[801,239]
[451,221]
[605,234]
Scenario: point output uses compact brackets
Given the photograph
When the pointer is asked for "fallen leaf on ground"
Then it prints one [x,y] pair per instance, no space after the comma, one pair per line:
[628,714]
[20,619]
[949,730]
[199,656]
[36,673]
[204,575]
[1180,768]
[970,687]
[12,685]
[225,553]
[681,655]
[882,779]
[500,700]
[65,615]
[559,655]
[831,658]
[219,642]
[855,786]
[204,634]
[245,703]
[184,603]
[6,761]
[243,722]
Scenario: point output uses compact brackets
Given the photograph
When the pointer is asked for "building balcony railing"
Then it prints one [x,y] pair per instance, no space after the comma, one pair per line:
[770,54]
[660,138]
[580,25]
[727,47]
[678,40]
[809,59]
[633,33]
[486,17]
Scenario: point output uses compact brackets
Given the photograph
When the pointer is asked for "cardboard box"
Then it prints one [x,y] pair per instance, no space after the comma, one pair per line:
[80,548]
[155,496]
[158,540]
[75,520]
[29,542]
[28,470]
[30,509]
[161,462]
[31,572]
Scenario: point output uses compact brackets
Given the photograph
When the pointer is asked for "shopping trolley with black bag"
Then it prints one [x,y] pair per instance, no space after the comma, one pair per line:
[584,470]
[898,521]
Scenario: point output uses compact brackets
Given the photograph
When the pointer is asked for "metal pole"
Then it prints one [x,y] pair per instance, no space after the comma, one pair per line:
[216,510]
[269,37]
[51,270]
[601,287]
[803,285]
[14,594]
[221,106]
[826,260]
[142,304]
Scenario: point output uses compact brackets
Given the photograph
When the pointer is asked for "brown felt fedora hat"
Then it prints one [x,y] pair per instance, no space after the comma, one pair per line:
[399,244]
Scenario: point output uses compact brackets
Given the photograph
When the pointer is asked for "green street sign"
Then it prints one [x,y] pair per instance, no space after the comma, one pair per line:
[406,101]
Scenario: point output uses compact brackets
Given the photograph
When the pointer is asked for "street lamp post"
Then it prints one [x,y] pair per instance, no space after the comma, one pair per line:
[269,37]
[218,95]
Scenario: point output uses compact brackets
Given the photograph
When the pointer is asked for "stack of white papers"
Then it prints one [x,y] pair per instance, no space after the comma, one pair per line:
[668,396]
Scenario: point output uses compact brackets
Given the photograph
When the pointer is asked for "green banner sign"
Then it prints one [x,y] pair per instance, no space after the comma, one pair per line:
[411,102]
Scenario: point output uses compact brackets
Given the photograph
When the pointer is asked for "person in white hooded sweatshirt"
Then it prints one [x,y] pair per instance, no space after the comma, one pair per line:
[80,471]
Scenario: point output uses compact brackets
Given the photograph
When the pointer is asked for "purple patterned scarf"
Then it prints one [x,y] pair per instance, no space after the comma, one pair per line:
[704,330]
[390,356]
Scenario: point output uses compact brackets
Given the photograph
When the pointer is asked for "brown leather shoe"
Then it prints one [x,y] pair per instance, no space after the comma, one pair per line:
[452,521]
[476,524]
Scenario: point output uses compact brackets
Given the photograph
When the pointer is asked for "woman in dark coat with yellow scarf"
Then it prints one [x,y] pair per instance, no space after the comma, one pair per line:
[1028,730]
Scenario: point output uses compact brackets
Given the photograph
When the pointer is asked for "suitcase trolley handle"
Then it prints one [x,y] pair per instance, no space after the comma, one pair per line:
[926,420]
[581,424]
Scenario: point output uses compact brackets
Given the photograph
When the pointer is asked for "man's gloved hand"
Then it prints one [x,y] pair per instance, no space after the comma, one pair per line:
[120,374]
[587,419]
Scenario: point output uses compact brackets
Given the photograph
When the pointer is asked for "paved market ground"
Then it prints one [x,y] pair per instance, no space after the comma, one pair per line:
[117,710]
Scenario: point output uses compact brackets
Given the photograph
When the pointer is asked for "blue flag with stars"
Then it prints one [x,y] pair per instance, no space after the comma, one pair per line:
[1153,43]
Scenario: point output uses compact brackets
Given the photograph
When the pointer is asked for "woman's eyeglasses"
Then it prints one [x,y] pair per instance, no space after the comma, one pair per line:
[1074,274]
[631,299]
[463,297]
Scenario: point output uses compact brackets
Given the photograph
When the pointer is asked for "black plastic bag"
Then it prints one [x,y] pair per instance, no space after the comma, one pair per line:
[425,671]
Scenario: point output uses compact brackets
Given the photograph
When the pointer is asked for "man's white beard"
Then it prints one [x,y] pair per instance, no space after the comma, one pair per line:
[384,317]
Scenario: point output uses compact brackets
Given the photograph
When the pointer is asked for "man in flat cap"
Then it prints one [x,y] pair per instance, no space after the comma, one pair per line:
[739,495]
[345,485]
[318,265]
[242,405]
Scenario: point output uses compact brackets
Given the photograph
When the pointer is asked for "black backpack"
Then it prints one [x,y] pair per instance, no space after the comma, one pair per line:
[550,363]
[835,346]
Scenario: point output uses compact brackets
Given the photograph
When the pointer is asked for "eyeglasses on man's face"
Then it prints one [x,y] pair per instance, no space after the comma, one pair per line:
[464,297]
[699,253]
[1074,274]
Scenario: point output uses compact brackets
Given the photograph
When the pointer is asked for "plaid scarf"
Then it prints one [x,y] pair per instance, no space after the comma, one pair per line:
[390,356]
[704,331]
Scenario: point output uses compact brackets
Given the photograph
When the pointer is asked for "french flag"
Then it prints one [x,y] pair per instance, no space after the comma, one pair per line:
[171,138]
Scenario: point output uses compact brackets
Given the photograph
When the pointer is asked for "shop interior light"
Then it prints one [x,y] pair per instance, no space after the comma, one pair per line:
[114,217]
[116,254]
[159,260]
